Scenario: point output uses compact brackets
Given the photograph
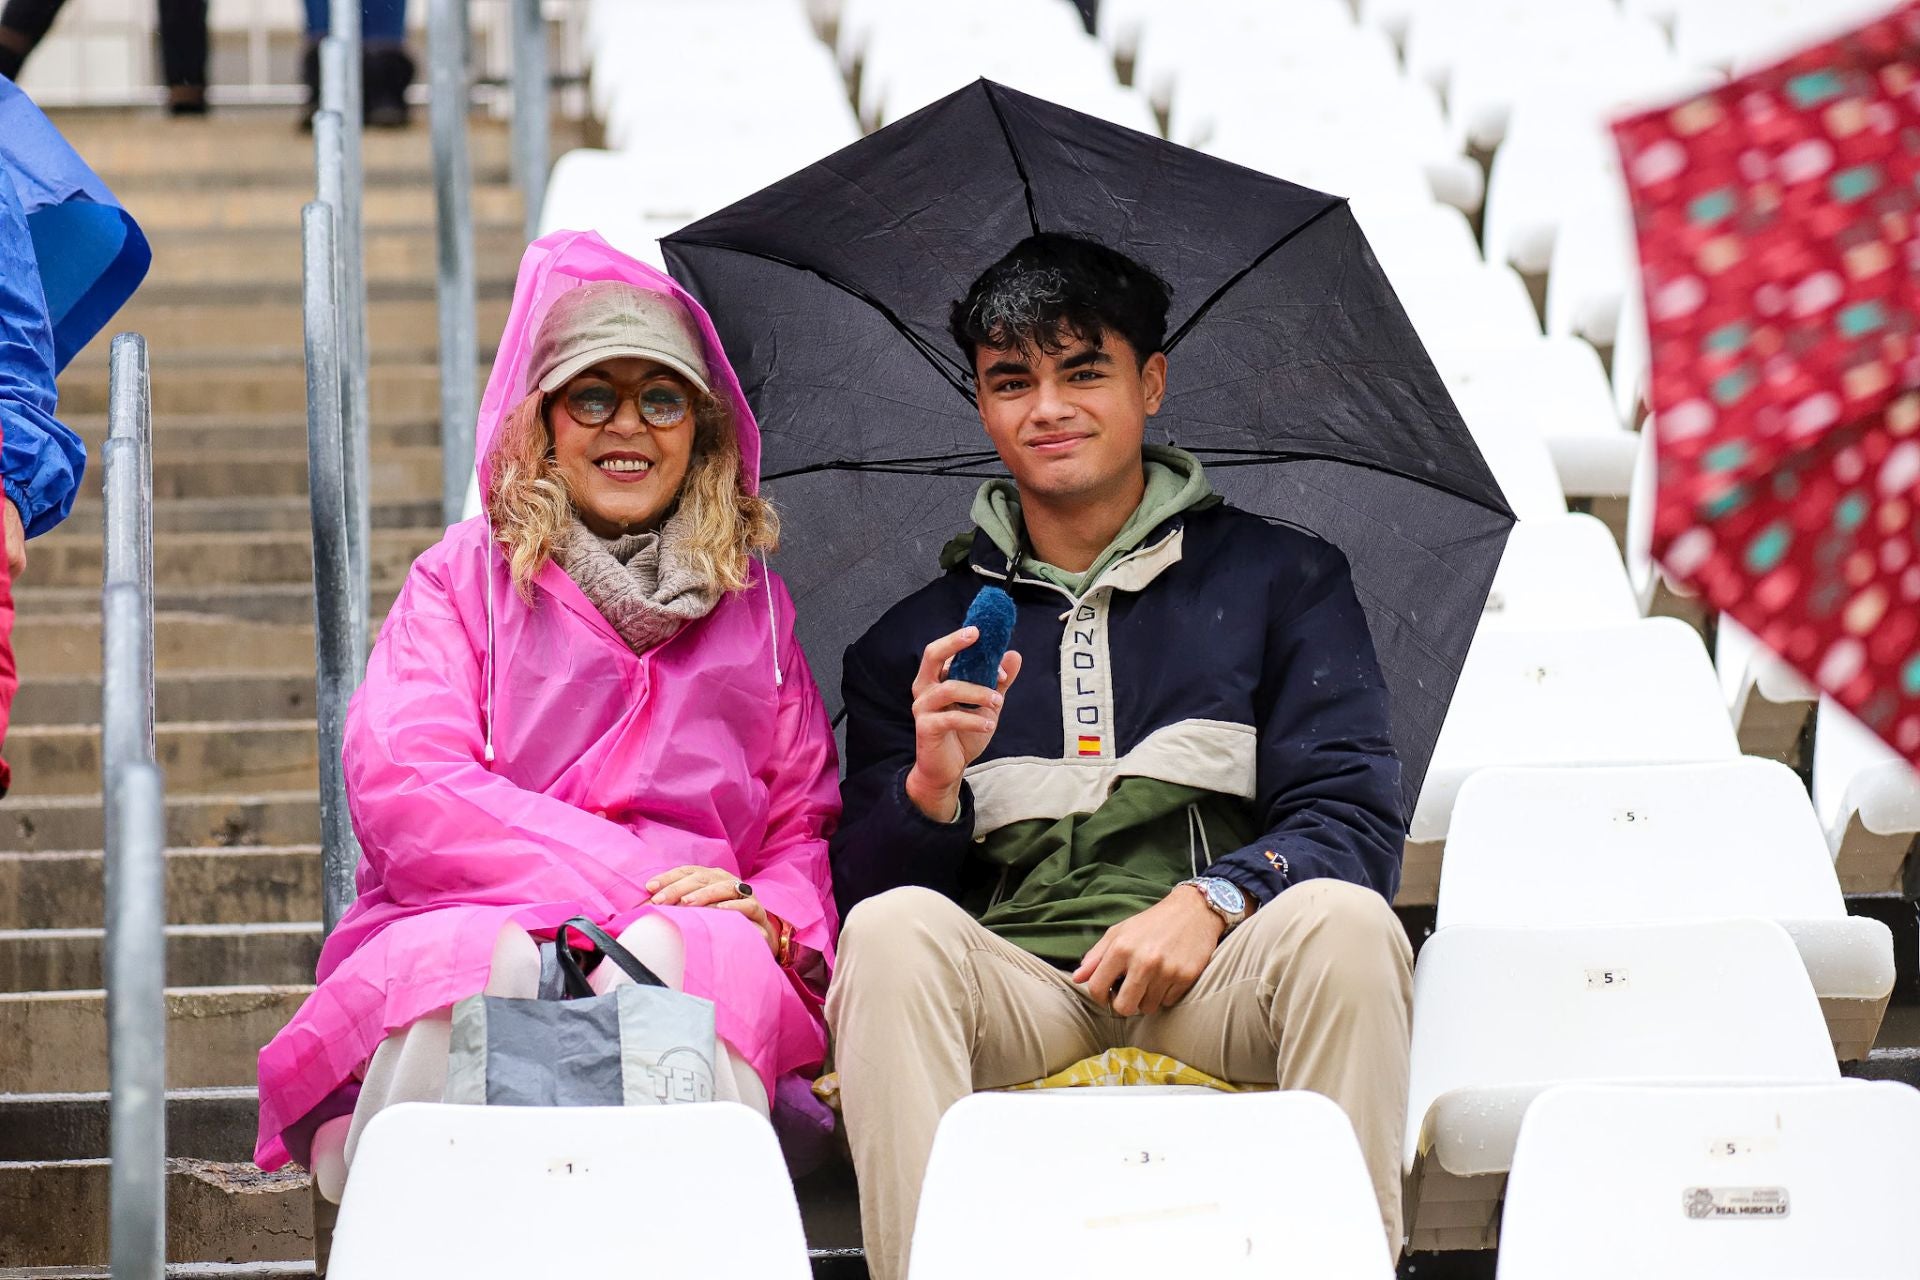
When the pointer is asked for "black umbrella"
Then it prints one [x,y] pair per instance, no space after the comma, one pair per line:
[1293,372]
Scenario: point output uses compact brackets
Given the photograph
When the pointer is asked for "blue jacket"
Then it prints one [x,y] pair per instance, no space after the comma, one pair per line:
[40,459]
[70,257]
[1215,690]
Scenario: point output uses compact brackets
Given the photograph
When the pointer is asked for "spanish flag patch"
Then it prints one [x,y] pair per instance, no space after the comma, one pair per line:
[1089,744]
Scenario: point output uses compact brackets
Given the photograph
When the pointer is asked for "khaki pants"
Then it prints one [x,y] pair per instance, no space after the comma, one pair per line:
[1313,992]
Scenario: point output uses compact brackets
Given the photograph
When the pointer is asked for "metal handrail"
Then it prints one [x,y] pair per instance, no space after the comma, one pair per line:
[136,831]
[447,40]
[532,106]
[340,180]
[337,667]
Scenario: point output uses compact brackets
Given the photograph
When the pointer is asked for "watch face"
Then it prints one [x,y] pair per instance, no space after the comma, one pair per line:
[1226,895]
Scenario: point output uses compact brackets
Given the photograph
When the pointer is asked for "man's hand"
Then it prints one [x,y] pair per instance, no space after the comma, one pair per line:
[16,535]
[952,724]
[1154,958]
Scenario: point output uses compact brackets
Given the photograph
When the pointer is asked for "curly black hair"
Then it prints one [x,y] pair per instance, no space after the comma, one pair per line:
[1052,290]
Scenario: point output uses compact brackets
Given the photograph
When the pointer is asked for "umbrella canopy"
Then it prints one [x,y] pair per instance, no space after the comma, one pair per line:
[1776,220]
[91,253]
[1293,372]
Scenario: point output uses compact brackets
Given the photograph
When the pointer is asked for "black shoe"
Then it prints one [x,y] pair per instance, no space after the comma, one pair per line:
[310,76]
[385,75]
[187,100]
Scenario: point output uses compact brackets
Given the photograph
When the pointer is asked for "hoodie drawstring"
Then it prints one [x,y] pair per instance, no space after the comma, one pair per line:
[487,665]
[773,624]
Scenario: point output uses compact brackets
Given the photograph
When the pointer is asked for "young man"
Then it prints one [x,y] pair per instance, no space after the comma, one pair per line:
[1175,823]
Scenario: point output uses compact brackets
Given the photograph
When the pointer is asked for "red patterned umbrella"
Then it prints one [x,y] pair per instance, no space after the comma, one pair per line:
[1776,218]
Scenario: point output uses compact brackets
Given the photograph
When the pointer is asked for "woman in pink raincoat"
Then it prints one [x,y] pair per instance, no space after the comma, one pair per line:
[587,702]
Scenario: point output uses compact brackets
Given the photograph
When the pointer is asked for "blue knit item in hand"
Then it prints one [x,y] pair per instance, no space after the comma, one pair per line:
[979,662]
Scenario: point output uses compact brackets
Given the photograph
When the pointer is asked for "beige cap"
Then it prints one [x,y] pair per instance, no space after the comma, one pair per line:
[611,319]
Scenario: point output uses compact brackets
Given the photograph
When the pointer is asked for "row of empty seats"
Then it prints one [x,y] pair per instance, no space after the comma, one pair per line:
[1643,975]
[1806,1176]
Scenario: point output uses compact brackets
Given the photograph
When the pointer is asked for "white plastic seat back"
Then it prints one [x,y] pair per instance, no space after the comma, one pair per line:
[1653,842]
[1556,390]
[502,1193]
[1637,694]
[1498,1008]
[1756,1183]
[1030,1187]
[1562,571]
[1857,775]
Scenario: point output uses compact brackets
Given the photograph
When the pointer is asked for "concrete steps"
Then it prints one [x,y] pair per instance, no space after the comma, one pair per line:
[202,1124]
[69,644]
[203,262]
[234,433]
[288,603]
[220,201]
[162,210]
[74,559]
[186,695]
[57,1040]
[268,755]
[204,821]
[198,955]
[276,323]
[393,474]
[218,885]
[55,1213]
[410,391]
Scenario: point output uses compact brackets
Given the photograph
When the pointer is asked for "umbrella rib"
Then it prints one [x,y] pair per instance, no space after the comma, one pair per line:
[1019,165]
[1200,314]
[955,465]
[927,352]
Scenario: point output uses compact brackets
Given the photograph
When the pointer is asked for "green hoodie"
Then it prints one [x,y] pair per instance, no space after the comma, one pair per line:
[1175,483]
[1063,882]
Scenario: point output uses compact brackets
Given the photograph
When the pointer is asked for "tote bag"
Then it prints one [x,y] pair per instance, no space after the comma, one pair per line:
[643,1044]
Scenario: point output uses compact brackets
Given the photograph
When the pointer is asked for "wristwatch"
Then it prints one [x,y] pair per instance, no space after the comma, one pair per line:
[1224,896]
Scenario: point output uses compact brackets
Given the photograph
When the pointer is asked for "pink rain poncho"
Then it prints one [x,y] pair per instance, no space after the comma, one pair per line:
[519,763]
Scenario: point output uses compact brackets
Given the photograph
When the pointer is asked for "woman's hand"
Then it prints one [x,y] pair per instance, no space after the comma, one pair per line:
[712,887]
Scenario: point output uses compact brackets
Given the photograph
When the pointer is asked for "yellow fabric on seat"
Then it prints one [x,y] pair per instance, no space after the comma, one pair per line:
[1124,1066]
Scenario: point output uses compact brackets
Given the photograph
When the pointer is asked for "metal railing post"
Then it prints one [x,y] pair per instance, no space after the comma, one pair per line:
[334,654]
[453,202]
[126,723]
[339,177]
[136,835]
[531,104]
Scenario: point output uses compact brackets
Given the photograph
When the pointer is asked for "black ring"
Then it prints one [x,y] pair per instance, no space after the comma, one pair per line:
[742,888]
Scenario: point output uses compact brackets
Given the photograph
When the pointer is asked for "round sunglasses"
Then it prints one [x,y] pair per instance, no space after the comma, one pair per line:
[592,402]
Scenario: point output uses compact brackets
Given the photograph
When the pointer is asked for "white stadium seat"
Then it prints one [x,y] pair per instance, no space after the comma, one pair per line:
[1467,310]
[1409,239]
[1643,693]
[1523,466]
[501,1193]
[1593,265]
[1771,704]
[1567,59]
[1656,592]
[1131,1181]
[1440,33]
[1868,799]
[1500,1014]
[1555,390]
[1560,571]
[1568,847]
[1770,1182]
[1740,35]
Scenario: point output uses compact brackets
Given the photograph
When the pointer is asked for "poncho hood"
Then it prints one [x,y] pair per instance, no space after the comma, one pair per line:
[564,260]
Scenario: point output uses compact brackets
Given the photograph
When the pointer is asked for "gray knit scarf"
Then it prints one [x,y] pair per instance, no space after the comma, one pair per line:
[642,583]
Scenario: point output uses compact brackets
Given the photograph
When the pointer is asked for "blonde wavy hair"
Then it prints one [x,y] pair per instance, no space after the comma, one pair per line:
[530,505]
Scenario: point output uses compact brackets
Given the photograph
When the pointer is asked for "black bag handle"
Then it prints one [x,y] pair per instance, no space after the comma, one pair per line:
[578,988]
